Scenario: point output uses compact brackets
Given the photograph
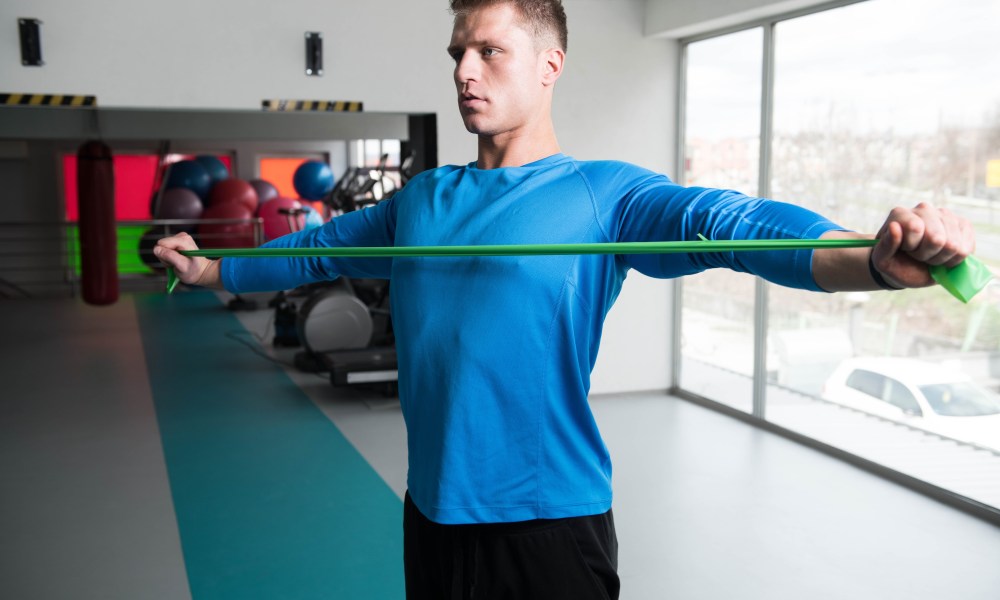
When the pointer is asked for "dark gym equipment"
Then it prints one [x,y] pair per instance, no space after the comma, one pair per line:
[346,330]
[363,186]
[343,326]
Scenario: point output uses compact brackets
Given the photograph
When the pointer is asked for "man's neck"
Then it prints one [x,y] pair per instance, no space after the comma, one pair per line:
[513,150]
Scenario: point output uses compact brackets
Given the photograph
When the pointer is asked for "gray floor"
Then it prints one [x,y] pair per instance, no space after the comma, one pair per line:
[706,506]
[85,506]
[963,468]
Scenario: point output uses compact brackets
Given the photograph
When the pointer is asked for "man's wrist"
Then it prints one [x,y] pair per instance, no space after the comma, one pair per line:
[878,277]
[211,275]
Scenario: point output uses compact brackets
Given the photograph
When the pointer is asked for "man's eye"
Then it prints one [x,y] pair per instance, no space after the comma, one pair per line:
[490,52]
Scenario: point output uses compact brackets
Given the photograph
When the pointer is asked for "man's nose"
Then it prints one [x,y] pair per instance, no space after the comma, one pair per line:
[467,68]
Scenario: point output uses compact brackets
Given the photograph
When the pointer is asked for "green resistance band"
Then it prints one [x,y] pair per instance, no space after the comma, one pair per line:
[963,281]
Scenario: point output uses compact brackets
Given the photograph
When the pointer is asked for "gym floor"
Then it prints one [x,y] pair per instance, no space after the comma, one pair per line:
[146,453]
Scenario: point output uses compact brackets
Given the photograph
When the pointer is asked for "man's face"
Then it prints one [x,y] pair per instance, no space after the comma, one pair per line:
[498,71]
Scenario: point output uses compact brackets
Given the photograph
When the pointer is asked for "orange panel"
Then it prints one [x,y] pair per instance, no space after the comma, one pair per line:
[280,172]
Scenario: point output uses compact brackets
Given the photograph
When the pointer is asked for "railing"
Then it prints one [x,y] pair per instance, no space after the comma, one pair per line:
[40,259]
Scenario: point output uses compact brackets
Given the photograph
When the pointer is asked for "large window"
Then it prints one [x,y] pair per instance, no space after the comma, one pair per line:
[875,104]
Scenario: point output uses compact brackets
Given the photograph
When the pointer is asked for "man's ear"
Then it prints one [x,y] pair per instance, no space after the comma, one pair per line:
[551,61]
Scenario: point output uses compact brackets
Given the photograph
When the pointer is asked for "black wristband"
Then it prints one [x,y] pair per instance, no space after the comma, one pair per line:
[879,280]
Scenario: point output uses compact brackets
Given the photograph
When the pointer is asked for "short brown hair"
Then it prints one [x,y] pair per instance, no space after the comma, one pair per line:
[544,17]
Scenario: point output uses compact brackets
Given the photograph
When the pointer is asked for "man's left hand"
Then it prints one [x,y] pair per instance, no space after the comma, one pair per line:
[912,239]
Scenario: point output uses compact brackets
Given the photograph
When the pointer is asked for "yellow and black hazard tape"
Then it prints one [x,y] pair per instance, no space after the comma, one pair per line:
[312,105]
[47,100]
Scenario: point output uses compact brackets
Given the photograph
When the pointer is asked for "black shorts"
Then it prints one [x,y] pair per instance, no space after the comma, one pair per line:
[550,559]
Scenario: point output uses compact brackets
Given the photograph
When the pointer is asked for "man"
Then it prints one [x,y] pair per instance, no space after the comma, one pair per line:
[509,480]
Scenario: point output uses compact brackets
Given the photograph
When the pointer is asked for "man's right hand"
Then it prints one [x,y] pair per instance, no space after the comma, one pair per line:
[194,270]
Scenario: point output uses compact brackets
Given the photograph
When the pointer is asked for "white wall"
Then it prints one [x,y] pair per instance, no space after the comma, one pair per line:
[681,18]
[615,100]
[235,53]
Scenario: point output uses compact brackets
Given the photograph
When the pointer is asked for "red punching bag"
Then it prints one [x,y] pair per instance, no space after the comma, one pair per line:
[98,240]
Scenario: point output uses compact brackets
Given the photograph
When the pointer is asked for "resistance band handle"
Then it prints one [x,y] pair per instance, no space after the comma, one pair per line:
[171,280]
[962,281]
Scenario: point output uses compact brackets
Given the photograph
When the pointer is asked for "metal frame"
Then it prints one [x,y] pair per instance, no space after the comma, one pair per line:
[677,297]
[684,41]
[757,417]
[761,306]
[120,124]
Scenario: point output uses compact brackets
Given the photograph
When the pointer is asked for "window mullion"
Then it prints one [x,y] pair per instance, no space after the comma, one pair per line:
[764,191]
[677,303]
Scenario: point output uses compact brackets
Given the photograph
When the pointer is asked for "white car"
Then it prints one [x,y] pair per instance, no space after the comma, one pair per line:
[922,394]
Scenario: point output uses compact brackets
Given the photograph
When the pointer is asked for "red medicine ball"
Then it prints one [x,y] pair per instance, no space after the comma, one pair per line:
[234,190]
[226,235]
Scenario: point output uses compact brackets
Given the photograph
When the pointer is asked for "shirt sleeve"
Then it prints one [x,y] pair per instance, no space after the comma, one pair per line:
[653,208]
[372,226]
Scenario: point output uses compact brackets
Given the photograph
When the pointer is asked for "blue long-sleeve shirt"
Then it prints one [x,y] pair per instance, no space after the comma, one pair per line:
[495,353]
